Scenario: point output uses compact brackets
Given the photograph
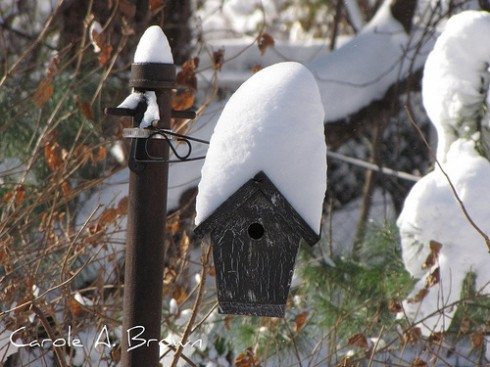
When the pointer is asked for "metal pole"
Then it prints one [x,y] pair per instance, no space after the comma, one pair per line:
[144,260]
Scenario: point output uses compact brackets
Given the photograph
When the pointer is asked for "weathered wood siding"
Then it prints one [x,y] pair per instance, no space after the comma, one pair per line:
[253,276]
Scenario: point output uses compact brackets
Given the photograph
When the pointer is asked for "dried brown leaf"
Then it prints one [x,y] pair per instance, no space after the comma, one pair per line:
[66,189]
[477,339]
[43,92]
[431,259]
[300,320]
[421,294]
[417,362]
[53,67]
[187,76]
[173,225]
[122,206]
[85,108]
[183,99]
[101,154]
[184,245]
[256,68]
[52,155]
[116,354]
[412,335]
[435,246]
[218,59]
[346,362]
[108,216]
[465,326]
[83,153]
[179,294]
[264,42]
[436,337]
[433,278]
[127,8]
[105,54]
[155,4]
[247,359]
[395,306]
[169,276]
[358,340]
[74,307]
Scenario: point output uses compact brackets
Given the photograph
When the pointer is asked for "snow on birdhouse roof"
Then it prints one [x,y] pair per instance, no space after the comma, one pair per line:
[153,47]
[272,123]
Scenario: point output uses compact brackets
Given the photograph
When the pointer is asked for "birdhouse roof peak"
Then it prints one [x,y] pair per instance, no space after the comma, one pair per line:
[259,183]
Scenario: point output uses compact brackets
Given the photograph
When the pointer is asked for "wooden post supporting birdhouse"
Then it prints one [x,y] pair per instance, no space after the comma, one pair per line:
[255,235]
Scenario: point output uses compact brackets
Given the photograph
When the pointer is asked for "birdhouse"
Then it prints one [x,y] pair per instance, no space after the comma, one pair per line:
[255,235]
[262,187]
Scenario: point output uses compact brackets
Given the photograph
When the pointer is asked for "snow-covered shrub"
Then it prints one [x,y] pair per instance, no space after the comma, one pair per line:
[440,244]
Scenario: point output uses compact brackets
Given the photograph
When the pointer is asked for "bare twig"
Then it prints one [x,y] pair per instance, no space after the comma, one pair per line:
[50,332]
[200,293]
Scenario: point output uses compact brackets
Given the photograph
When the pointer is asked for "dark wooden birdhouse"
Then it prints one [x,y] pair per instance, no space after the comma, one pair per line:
[255,235]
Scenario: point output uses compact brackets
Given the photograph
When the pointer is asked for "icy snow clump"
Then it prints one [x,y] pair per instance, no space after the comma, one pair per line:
[272,123]
[152,112]
[456,79]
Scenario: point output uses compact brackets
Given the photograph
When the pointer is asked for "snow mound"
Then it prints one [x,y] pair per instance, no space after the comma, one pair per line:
[152,112]
[456,78]
[153,47]
[272,123]
[355,74]
[431,212]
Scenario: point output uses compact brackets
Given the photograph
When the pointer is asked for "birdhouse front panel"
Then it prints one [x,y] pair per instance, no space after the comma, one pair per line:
[254,255]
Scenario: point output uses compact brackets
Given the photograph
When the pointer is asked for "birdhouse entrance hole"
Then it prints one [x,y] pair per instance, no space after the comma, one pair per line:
[256,231]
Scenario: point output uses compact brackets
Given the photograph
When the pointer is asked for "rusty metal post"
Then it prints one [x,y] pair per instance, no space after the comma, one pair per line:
[144,261]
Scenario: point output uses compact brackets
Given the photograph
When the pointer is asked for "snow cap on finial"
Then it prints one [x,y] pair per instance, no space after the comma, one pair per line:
[153,47]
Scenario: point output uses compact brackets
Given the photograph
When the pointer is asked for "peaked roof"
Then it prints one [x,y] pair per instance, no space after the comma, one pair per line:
[260,183]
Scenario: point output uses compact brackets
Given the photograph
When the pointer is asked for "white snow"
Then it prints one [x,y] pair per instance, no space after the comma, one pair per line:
[95,30]
[355,14]
[340,228]
[455,88]
[132,100]
[456,78]
[431,212]
[272,123]
[152,112]
[153,47]
[363,69]
[6,348]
